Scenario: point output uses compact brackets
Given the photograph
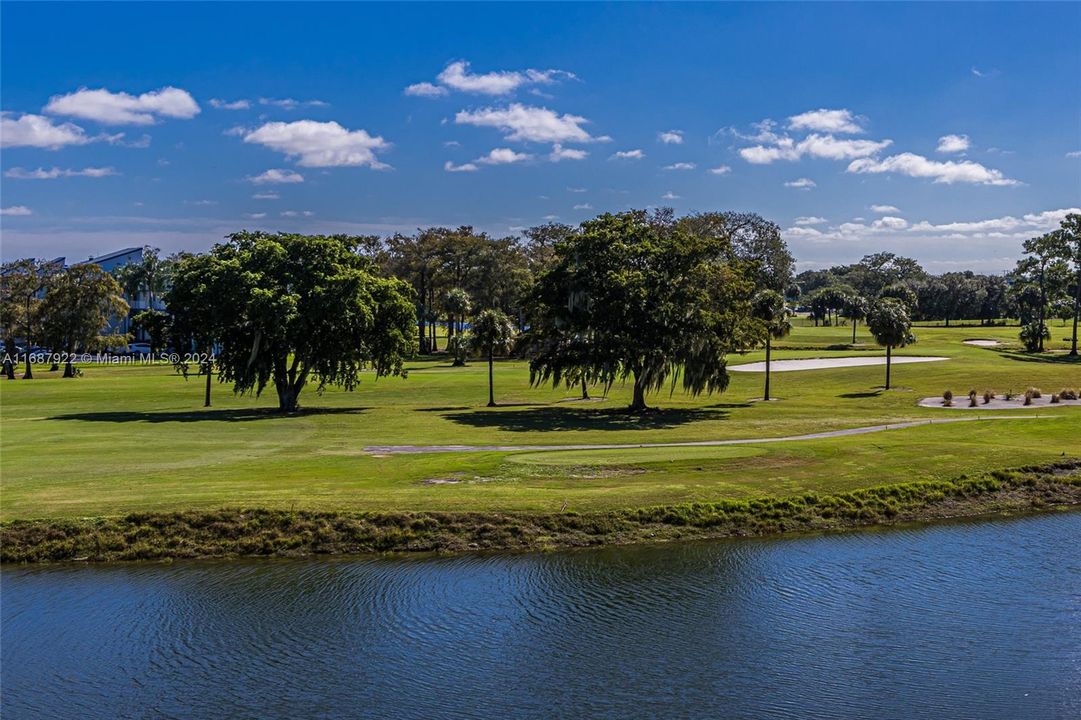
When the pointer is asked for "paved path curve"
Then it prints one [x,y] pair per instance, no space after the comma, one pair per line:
[418,449]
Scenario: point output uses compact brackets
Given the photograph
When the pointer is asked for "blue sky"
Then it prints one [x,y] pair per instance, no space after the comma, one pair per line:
[945,132]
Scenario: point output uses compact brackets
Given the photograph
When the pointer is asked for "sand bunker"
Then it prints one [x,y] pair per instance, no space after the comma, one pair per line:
[1018,403]
[983,343]
[826,363]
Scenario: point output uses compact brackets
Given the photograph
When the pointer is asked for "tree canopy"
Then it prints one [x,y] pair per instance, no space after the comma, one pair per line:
[658,302]
[291,309]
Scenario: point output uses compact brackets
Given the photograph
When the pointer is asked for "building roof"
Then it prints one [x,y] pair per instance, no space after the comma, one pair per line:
[110,256]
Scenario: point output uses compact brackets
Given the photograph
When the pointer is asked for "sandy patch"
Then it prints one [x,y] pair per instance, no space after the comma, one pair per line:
[999,403]
[983,343]
[827,363]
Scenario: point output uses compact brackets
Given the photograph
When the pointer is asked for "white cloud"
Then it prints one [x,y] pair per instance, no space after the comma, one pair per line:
[123,109]
[576,189]
[819,146]
[291,104]
[529,124]
[828,121]
[885,209]
[627,155]
[681,166]
[953,143]
[720,170]
[561,153]
[40,132]
[226,105]
[1027,224]
[275,176]
[941,172]
[550,217]
[464,167]
[669,196]
[1008,229]
[889,223]
[16,211]
[18,173]
[425,89]
[321,144]
[255,216]
[1074,154]
[456,76]
[801,183]
[583,206]
[266,196]
[810,220]
[671,137]
[503,156]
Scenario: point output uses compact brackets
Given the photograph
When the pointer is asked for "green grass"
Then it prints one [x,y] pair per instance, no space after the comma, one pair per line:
[123,439]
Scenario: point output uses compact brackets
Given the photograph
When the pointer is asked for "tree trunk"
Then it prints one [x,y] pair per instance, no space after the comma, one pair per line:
[69,369]
[422,318]
[491,384]
[853,331]
[1043,306]
[888,348]
[639,402]
[29,373]
[1076,313]
[9,367]
[765,393]
[206,398]
[585,390]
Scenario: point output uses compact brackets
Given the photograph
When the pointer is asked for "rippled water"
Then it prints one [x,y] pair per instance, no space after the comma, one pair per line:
[975,620]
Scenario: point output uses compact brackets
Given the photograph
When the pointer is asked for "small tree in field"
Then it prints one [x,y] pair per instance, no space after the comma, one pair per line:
[891,327]
[855,309]
[492,331]
[768,306]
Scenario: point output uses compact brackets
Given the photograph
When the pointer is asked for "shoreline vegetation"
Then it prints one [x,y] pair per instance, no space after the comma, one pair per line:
[235,533]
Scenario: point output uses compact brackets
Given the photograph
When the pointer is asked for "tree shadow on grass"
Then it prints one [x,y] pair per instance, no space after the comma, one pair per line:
[565,418]
[860,395]
[1052,358]
[214,415]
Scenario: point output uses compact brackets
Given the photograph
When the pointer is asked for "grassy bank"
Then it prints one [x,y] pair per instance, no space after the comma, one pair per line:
[125,440]
[260,532]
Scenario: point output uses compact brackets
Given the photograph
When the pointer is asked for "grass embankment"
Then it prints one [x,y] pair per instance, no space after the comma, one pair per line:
[230,533]
[135,440]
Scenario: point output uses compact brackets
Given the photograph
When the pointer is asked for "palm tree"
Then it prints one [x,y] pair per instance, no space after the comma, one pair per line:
[457,304]
[855,309]
[130,277]
[492,330]
[888,321]
[768,306]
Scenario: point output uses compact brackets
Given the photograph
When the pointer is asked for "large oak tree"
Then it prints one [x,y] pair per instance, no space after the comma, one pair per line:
[305,308]
[659,303]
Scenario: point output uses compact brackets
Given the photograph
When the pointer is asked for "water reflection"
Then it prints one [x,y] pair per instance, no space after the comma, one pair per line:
[972,620]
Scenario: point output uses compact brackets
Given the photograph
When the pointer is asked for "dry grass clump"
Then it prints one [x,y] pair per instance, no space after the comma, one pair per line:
[1028,396]
[947,398]
[972,398]
[1068,393]
[1035,392]
[988,396]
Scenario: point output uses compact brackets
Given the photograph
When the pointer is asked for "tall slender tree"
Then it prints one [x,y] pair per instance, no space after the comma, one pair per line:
[891,327]
[492,331]
[769,308]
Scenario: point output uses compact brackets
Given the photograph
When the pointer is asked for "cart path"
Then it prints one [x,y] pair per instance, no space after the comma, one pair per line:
[418,449]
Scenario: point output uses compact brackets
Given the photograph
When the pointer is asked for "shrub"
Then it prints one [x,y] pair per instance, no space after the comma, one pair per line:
[972,398]
[1033,333]
[947,398]
[1054,398]
[1028,397]
[1068,394]
[1035,392]
[988,396]
[1009,394]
